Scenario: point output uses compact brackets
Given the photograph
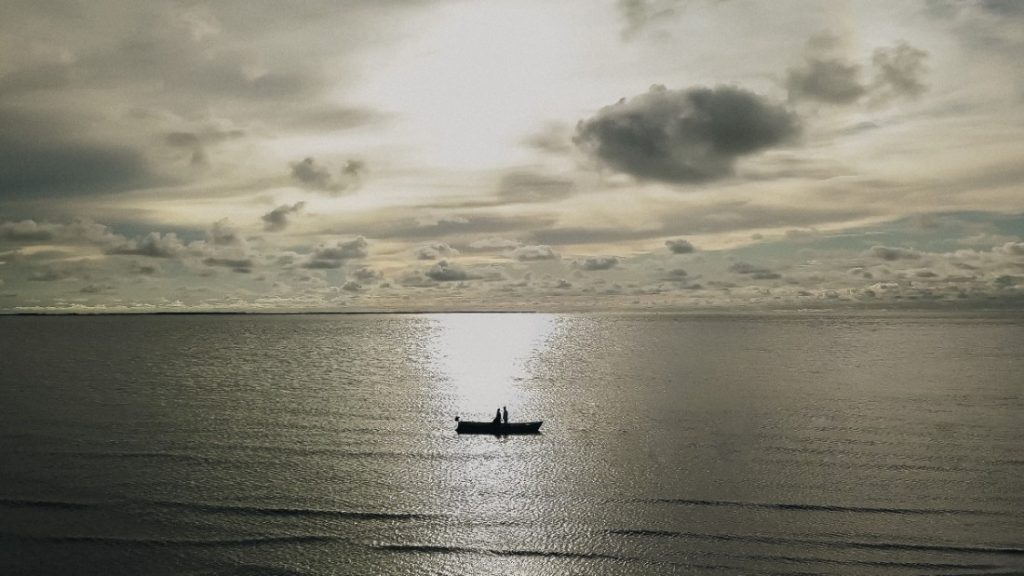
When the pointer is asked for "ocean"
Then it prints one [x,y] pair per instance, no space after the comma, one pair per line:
[672,444]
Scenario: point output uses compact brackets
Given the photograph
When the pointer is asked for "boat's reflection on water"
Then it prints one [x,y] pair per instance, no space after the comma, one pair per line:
[481,369]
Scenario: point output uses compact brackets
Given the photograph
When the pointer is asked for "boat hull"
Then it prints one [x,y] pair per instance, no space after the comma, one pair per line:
[498,429]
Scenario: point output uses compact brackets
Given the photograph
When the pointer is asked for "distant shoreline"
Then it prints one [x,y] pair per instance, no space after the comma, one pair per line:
[937,311]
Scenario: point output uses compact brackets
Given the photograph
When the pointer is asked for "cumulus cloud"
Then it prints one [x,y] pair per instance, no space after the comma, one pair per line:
[533,253]
[77,232]
[331,257]
[598,263]
[1013,248]
[682,136]
[153,245]
[352,286]
[319,178]
[223,233]
[365,274]
[434,251]
[443,271]
[278,218]
[679,246]
[890,253]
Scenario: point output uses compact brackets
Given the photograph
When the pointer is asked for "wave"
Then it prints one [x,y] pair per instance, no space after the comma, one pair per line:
[428,549]
[824,507]
[288,511]
[59,504]
[850,544]
[182,542]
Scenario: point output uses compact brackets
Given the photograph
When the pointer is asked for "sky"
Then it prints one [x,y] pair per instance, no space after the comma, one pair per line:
[510,155]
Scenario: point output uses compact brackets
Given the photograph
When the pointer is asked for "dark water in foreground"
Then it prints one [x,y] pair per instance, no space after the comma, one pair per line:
[671,445]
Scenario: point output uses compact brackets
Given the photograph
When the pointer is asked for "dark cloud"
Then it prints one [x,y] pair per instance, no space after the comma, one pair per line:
[316,177]
[352,286]
[681,136]
[754,272]
[277,219]
[328,257]
[888,253]
[534,253]
[42,156]
[526,186]
[443,271]
[241,265]
[154,245]
[679,246]
[598,263]
[34,79]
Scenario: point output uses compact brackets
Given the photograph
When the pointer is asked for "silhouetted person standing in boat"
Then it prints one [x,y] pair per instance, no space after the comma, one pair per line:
[497,417]
[504,414]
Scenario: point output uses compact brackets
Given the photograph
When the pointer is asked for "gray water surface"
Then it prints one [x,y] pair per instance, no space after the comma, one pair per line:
[274,445]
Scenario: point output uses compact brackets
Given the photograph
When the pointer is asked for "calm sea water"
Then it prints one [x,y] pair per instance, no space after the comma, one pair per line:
[295,445]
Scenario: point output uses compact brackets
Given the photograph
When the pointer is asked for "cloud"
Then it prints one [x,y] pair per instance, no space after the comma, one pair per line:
[890,254]
[153,245]
[684,136]
[241,265]
[365,274]
[352,286]
[679,246]
[754,272]
[331,257]
[638,15]
[223,234]
[495,243]
[196,143]
[534,253]
[435,251]
[1013,248]
[553,138]
[445,272]
[898,72]
[277,219]
[598,263]
[42,156]
[316,177]
[831,79]
[526,186]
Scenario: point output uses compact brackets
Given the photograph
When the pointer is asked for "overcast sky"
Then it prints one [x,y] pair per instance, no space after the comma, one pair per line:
[524,154]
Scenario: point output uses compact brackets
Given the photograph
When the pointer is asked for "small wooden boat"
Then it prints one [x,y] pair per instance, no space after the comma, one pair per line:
[468,427]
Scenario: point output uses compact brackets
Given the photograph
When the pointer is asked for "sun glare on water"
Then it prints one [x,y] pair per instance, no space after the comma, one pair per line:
[483,360]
